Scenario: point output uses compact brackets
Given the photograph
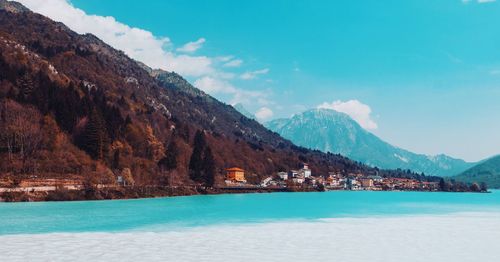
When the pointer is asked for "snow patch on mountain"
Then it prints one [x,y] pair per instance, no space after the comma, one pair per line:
[404,159]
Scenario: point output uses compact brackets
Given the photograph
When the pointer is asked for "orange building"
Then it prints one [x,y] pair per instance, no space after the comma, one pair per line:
[366,182]
[235,174]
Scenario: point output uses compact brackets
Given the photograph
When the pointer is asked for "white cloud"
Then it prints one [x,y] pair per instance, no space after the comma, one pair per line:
[264,113]
[358,111]
[234,63]
[250,97]
[137,43]
[154,51]
[253,74]
[192,46]
[214,85]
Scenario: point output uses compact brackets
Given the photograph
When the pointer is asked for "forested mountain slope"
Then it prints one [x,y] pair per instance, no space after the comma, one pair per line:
[487,172]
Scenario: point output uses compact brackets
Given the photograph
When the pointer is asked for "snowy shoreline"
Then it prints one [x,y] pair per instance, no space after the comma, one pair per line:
[453,237]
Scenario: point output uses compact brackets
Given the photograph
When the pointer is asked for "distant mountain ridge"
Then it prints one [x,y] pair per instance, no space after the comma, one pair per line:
[487,171]
[332,131]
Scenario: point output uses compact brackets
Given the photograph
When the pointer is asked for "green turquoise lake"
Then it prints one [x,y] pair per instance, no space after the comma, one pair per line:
[330,226]
[172,213]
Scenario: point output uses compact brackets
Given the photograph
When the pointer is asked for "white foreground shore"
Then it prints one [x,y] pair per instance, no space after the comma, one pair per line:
[454,238]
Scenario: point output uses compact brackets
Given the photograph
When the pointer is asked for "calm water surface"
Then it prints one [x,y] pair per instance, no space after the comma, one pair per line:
[165,214]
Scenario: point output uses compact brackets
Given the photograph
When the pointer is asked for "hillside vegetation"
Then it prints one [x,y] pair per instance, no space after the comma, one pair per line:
[486,172]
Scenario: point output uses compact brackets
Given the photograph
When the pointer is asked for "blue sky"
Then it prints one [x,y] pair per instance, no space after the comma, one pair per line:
[422,75]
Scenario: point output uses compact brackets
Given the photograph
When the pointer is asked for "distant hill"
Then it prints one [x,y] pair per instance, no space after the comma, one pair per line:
[487,172]
[332,131]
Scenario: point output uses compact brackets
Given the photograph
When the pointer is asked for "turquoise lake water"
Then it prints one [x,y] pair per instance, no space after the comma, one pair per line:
[162,214]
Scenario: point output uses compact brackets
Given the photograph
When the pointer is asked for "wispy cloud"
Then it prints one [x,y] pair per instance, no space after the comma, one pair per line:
[253,74]
[264,113]
[495,72]
[216,85]
[234,63]
[213,85]
[192,47]
[478,1]
[358,111]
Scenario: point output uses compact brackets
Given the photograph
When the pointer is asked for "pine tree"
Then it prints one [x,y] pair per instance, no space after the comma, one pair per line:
[116,159]
[169,162]
[94,139]
[209,167]
[484,187]
[196,161]
[444,185]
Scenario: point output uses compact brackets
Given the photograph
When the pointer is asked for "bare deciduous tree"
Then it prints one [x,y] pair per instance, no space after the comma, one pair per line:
[20,131]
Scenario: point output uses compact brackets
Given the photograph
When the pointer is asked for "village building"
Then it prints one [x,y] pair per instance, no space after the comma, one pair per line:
[366,182]
[352,184]
[120,180]
[266,182]
[283,175]
[299,179]
[433,186]
[293,173]
[305,171]
[376,179]
[235,174]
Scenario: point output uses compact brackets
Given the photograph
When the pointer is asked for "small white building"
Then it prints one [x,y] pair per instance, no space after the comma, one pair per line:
[283,175]
[298,180]
[377,179]
[352,184]
[306,171]
[266,181]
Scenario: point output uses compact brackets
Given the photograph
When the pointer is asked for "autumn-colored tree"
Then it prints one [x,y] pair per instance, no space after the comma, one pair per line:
[127,176]
[155,148]
[20,131]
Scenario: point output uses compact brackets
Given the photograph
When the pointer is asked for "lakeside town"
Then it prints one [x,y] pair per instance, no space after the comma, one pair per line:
[234,181]
[304,178]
